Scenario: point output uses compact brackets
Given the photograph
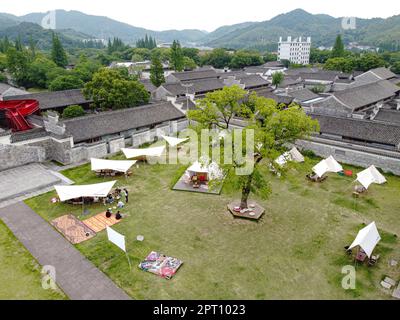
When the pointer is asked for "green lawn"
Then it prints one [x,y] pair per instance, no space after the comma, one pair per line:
[294,252]
[20,276]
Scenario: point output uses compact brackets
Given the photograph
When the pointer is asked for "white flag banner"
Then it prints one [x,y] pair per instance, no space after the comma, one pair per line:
[116,238]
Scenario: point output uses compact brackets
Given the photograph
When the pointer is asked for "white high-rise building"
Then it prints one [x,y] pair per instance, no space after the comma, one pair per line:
[296,50]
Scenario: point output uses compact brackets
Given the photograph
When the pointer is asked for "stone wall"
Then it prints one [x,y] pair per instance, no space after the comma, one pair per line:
[151,135]
[116,145]
[85,152]
[15,156]
[352,157]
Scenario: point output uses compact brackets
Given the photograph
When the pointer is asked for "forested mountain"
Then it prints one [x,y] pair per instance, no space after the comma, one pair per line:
[323,29]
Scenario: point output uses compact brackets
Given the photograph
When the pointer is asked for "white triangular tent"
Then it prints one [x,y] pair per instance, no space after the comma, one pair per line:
[99,190]
[114,165]
[367,239]
[212,170]
[296,155]
[327,165]
[370,176]
[139,153]
[173,142]
[292,155]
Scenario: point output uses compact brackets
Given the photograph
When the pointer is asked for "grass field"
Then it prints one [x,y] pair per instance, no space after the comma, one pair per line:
[20,276]
[295,252]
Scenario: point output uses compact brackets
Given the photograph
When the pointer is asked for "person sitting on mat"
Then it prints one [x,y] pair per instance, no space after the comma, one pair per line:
[120,205]
[108,213]
[118,216]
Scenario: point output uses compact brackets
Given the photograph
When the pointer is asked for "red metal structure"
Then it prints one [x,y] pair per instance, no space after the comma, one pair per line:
[17,110]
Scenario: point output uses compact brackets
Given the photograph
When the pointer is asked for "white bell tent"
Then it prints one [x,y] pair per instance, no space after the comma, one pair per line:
[292,155]
[211,170]
[141,153]
[370,176]
[173,142]
[114,165]
[367,239]
[327,165]
[100,190]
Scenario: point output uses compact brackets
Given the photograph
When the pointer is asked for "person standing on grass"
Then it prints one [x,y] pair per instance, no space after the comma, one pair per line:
[126,194]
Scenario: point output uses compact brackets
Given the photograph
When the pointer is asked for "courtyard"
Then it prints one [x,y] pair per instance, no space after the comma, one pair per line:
[295,251]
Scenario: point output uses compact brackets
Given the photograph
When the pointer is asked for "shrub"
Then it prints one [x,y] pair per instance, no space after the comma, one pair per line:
[73,112]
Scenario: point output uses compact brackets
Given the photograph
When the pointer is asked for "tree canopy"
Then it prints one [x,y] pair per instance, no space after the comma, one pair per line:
[272,127]
[177,61]
[114,89]
[58,54]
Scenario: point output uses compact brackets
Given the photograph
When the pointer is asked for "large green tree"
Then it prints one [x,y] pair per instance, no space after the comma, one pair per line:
[114,89]
[18,66]
[277,79]
[273,128]
[58,54]
[66,82]
[340,64]
[218,58]
[243,59]
[157,71]
[177,61]
[338,48]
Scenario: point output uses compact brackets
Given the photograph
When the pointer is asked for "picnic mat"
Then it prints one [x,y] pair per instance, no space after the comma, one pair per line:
[100,222]
[74,230]
[161,265]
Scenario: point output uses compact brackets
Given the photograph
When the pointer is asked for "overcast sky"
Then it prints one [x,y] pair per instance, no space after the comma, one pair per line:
[202,14]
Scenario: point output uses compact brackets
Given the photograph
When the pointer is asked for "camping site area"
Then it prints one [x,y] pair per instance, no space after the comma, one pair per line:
[296,251]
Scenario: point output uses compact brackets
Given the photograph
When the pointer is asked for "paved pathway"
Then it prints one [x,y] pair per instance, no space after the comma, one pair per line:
[75,275]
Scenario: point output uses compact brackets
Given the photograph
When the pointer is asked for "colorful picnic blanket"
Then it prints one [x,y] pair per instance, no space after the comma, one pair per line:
[161,265]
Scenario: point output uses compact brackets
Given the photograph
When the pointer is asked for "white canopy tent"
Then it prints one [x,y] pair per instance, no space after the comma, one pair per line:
[173,142]
[370,176]
[212,170]
[327,165]
[100,190]
[292,155]
[367,239]
[140,153]
[115,165]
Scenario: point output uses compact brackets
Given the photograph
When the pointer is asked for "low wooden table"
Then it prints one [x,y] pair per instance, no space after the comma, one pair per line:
[256,214]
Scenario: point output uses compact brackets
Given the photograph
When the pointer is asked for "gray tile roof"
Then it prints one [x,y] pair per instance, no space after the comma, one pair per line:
[252,81]
[206,85]
[256,69]
[273,64]
[4,87]
[267,93]
[303,95]
[12,92]
[176,89]
[358,97]
[197,86]
[389,116]
[363,130]
[319,76]
[196,74]
[289,81]
[114,122]
[383,73]
[7,90]
[150,87]
[187,104]
[373,75]
[54,100]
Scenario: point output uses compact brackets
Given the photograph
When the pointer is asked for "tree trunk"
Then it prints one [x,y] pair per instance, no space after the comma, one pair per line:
[247,187]
[246,192]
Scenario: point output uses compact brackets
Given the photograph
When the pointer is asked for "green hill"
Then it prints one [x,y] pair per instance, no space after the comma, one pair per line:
[322,28]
